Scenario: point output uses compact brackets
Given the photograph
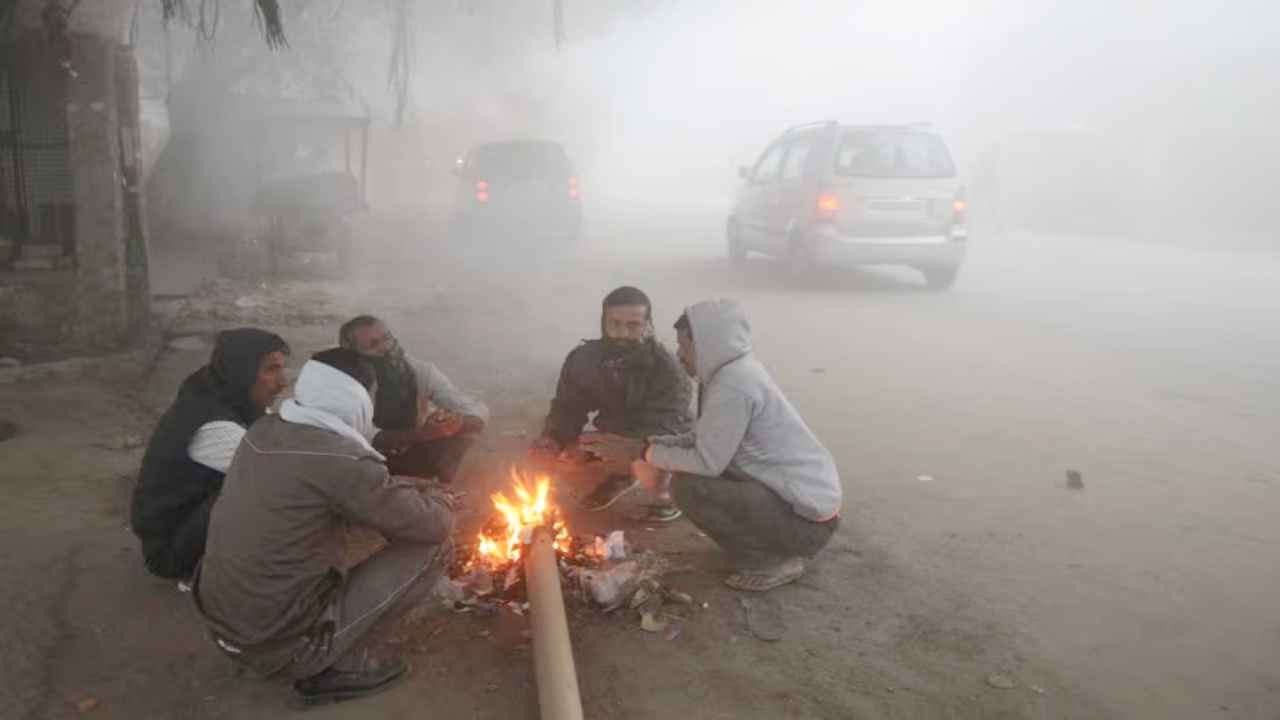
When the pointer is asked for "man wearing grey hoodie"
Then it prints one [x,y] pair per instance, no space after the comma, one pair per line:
[751,474]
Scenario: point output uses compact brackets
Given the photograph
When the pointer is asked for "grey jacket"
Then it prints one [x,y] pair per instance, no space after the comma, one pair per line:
[275,553]
[745,424]
[435,386]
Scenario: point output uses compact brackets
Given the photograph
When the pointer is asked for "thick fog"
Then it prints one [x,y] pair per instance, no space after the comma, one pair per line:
[1086,116]
[1047,382]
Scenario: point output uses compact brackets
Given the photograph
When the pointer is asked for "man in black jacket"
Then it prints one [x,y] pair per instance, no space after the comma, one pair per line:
[634,384]
[192,445]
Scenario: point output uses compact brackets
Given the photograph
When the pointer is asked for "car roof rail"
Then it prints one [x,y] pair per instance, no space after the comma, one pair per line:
[806,126]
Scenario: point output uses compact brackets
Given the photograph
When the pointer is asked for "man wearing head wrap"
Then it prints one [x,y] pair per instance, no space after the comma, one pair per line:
[417,440]
[192,445]
[751,475]
[274,588]
[633,383]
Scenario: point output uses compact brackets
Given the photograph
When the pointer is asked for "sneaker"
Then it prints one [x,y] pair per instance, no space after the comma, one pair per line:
[608,492]
[662,514]
[332,686]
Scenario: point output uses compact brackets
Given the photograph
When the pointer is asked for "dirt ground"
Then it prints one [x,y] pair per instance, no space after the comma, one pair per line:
[953,416]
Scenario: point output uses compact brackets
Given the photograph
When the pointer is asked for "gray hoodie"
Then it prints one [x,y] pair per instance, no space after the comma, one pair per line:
[745,424]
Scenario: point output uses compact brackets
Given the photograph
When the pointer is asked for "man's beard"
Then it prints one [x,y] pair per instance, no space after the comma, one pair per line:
[624,347]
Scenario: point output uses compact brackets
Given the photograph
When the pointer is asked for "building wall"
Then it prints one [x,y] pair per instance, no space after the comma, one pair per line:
[103,300]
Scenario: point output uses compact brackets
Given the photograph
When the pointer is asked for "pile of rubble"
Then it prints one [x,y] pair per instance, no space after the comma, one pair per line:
[289,304]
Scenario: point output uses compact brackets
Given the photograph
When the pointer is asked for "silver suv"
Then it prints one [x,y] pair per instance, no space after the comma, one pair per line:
[844,195]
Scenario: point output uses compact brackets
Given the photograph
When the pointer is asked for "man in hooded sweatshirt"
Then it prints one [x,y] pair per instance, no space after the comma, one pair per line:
[751,475]
[417,442]
[192,445]
[273,588]
[635,387]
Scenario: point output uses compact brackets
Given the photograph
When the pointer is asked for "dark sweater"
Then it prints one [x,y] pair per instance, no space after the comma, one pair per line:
[638,393]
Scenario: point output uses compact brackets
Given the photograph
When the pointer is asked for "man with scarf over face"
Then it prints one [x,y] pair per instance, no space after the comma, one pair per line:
[275,589]
[192,445]
[633,383]
[417,442]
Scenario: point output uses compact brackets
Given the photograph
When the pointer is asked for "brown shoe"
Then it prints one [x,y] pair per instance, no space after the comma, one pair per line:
[765,579]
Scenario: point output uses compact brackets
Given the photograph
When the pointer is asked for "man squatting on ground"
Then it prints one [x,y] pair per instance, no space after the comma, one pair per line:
[272,587]
[417,442]
[192,445]
[751,475]
[635,386]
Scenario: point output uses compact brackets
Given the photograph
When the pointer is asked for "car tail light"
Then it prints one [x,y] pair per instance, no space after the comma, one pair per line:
[573,188]
[482,191]
[828,206]
[959,207]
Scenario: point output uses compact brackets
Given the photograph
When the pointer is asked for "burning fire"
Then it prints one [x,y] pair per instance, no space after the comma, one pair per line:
[501,543]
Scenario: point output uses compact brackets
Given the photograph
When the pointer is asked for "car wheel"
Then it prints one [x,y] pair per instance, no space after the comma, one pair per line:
[800,263]
[940,278]
[737,250]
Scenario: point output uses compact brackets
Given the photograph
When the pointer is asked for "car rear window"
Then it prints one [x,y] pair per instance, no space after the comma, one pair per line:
[893,154]
[519,160]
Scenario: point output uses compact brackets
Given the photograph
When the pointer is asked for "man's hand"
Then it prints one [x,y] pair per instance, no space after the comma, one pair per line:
[440,425]
[545,447]
[394,442]
[613,449]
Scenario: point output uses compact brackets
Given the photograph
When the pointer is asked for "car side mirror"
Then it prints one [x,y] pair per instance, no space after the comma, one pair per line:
[744,172]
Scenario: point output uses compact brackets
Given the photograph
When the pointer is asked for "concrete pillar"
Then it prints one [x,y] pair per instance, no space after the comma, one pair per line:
[101,297]
[137,251]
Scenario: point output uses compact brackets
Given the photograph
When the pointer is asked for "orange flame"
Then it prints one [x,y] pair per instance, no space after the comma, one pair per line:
[530,508]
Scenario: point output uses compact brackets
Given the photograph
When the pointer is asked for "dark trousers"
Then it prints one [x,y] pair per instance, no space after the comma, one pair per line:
[175,556]
[376,593]
[751,522]
[438,459]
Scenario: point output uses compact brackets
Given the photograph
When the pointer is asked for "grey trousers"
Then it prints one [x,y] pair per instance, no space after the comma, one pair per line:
[377,592]
[754,525]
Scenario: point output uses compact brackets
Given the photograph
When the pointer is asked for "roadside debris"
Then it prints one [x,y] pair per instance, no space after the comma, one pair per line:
[87,704]
[610,587]
[924,478]
[8,430]
[676,596]
[123,442]
[652,622]
[613,547]
[189,343]
[1001,681]
[10,362]
[288,304]
[1075,481]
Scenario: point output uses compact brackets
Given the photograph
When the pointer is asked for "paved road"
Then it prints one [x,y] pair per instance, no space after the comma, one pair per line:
[1151,593]
[1153,371]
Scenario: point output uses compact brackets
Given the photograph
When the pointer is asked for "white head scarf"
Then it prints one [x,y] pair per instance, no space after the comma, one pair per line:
[328,398]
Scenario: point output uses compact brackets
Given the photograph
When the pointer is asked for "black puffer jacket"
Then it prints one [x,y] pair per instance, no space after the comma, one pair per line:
[638,392]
